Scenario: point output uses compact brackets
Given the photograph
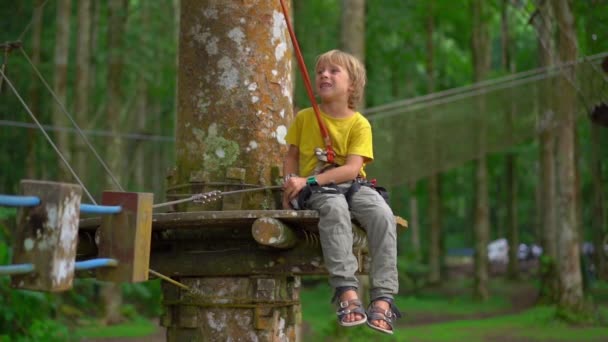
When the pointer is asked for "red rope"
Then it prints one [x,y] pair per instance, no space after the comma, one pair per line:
[326,138]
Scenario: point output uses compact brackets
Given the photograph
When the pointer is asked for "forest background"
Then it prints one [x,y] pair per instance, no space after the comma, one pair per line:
[125,102]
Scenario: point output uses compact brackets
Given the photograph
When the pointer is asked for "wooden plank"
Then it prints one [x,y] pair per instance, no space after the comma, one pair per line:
[301,219]
[126,237]
[239,258]
[47,235]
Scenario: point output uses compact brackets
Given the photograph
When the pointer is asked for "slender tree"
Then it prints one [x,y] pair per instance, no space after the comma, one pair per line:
[34,92]
[435,178]
[115,96]
[480,46]
[62,44]
[599,225]
[352,36]
[111,293]
[510,159]
[81,86]
[140,167]
[570,298]
[543,22]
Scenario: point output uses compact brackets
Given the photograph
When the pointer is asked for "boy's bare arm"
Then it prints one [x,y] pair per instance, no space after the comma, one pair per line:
[347,172]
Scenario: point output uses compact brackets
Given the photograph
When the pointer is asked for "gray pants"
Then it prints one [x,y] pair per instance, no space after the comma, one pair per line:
[376,218]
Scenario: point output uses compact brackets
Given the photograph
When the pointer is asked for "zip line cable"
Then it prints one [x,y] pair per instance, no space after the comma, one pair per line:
[47,137]
[27,27]
[65,111]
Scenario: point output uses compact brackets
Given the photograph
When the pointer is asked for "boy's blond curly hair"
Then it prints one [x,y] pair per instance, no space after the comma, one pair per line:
[355,69]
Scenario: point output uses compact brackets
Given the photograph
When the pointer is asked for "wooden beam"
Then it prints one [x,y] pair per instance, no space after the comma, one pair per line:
[126,237]
[46,236]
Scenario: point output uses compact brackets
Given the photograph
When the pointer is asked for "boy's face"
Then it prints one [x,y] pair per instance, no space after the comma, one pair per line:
[332,82]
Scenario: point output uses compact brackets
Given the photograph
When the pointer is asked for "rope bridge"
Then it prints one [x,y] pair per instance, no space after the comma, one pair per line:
[419,137]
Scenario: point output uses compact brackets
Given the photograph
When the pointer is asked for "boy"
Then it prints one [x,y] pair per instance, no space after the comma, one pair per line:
[339,82]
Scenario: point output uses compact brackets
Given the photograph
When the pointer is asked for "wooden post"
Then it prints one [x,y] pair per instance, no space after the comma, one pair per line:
[255,308]
[126,237]
[46,236]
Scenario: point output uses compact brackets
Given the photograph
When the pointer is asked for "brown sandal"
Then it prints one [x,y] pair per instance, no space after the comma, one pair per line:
[343,307]
[375,313]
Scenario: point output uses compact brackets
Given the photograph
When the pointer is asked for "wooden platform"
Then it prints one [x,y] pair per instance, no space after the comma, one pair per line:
[220,243]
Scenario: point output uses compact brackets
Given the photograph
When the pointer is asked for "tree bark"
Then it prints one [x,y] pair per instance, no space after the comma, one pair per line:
[352,34]
[568,244]
[115,97]
[31,165]
[510,159]
[111,293]
[142,112]
[544,24]
[62,48]
[481,64]
[81,86]
[598,218]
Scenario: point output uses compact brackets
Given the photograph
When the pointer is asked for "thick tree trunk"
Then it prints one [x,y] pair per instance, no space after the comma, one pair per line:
[34,92]
[81,86]
[481,65]
[568,243]
[510,159]
[547,174]
[242,103]
[62,48]
[234,105]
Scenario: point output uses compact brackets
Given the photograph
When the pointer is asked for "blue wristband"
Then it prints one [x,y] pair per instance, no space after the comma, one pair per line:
[312,180]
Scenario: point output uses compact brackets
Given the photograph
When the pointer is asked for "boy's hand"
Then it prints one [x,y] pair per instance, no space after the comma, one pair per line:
[291,189]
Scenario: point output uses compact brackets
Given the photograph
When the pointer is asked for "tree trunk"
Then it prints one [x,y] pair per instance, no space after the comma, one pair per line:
[598,218]
[115,97]
[81,86]
[547,174]
[481,66]
[510,159]
[353,28]
[62,48]
[31,164]
[112,295]
[570,297]
[434,181]
[142,113]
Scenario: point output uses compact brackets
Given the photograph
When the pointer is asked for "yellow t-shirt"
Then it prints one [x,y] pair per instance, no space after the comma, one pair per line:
[352,135]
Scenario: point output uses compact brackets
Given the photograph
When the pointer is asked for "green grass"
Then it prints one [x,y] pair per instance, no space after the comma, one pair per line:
[137,328]
[453,303]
